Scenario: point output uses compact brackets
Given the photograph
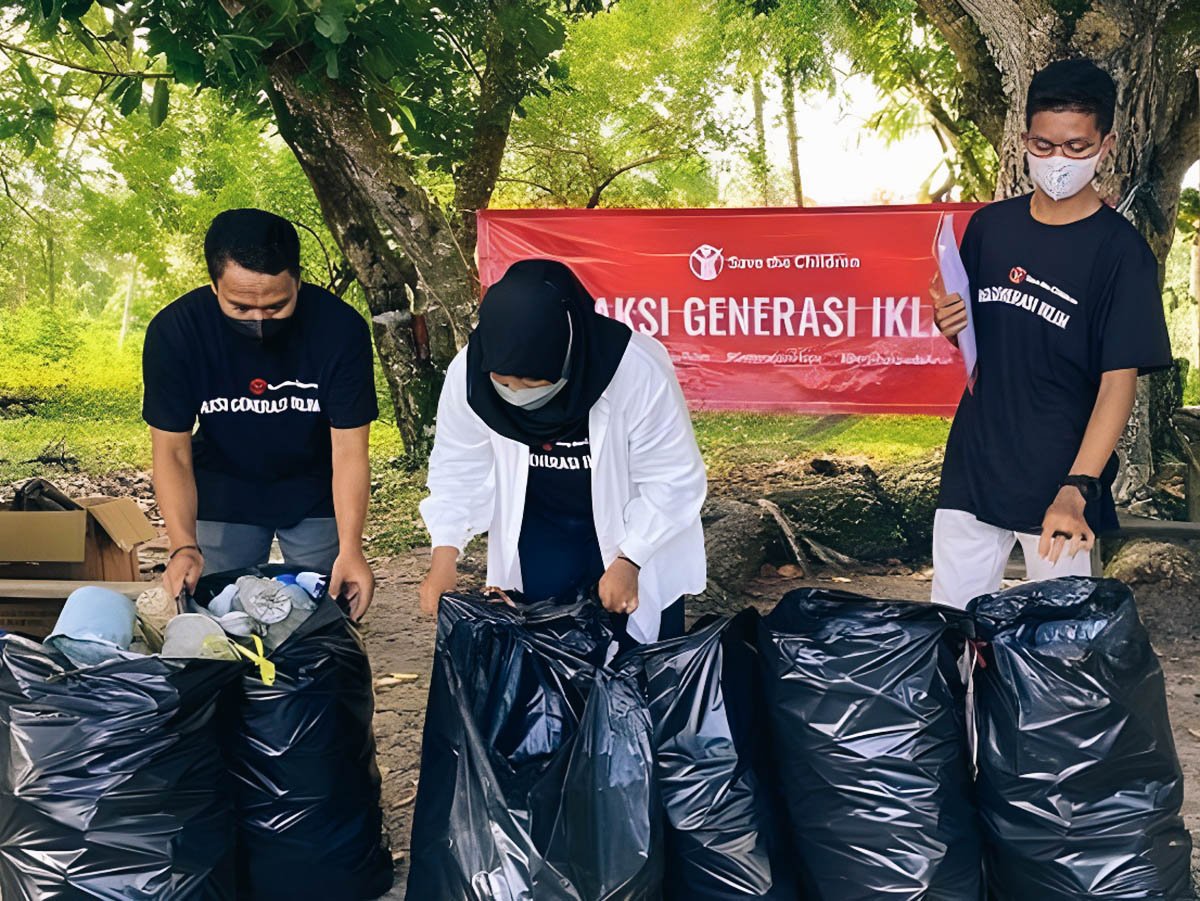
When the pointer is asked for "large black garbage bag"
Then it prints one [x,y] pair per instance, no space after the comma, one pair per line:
[866,717]
[722,829]
[303,761]
[1079,785]
[112,782]
[536,765]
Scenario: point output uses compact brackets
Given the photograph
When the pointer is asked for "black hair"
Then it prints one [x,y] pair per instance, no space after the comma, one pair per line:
[1077,85]
[255,240]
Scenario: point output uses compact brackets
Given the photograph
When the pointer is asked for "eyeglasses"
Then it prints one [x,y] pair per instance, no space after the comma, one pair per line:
[1078,149]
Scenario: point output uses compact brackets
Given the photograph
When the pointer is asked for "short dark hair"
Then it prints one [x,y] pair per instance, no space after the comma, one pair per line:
[255,240]
[1075,85]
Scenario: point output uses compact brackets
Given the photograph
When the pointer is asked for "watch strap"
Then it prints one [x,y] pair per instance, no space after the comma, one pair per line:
[1089,486]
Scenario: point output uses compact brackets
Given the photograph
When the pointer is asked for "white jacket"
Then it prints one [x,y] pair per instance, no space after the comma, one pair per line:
[648,482]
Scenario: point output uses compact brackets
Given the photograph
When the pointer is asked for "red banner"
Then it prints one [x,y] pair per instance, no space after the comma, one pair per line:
[819,310]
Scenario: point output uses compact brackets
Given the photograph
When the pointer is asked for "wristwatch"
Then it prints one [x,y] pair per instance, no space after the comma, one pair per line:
[1089,486]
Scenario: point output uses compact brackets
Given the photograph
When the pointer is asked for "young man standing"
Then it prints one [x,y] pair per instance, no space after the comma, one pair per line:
[280,375]
[1067,312]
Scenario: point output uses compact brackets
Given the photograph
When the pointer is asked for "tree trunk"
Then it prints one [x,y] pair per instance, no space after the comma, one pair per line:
[418,279]
[1001,43]
[476,179]
[759,162]
[125,312]
[788,74]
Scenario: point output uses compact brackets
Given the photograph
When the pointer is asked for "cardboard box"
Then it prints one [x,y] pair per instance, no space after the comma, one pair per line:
[97,543]
[31,607]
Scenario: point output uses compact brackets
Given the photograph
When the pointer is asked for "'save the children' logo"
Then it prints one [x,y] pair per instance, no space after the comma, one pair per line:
[258,386]
[1017,275]
[706,262]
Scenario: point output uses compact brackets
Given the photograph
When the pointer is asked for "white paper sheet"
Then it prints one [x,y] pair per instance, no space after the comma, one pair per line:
[954,281]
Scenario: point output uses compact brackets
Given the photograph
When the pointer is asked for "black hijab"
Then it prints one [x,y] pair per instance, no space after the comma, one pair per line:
[527,321]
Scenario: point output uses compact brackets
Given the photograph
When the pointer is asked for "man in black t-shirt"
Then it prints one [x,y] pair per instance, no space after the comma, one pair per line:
[279,375]
[1066,311]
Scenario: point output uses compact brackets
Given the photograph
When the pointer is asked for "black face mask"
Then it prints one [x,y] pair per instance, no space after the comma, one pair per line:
[259,329]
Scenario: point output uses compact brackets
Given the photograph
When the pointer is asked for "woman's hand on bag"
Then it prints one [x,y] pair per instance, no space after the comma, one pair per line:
[619,587]
[442,578]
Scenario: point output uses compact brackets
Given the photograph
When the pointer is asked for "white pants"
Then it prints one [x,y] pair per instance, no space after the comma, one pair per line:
[969,558]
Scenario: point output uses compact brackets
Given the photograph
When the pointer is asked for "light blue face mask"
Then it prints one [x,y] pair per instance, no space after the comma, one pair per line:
[97,614]
[536,398]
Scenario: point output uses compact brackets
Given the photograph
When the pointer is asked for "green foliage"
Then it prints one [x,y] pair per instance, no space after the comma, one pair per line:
[769,42]
[1188,222]
[1183,309]
[917,73]
[626,123]
[412,65]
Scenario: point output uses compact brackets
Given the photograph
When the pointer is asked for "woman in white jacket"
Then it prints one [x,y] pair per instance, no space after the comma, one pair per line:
[565,437]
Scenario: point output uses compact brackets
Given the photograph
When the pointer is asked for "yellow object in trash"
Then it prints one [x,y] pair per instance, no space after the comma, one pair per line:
[266,669]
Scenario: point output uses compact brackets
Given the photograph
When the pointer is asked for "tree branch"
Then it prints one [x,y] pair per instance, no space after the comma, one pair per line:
[328,262]
[533,184]
[984,101]
[83,118]
[25,51]
[8,192]
[594,200]
[466,57]
[1182,148]
[548,148]
[500,90]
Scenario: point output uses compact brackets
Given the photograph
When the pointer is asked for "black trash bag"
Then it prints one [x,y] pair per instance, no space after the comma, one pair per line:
[1079,785]
[722,826]
[303,760]
[536,763]
[112,782]
[865,707]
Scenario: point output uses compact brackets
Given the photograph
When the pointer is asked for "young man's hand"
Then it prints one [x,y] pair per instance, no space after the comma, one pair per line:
[949,310]
[619,587]
[352,578]
[1064,527]
[183,571]
[442,578]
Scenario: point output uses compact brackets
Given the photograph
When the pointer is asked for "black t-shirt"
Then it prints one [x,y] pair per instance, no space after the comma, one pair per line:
[1054,308]
[262,452]
[560,553]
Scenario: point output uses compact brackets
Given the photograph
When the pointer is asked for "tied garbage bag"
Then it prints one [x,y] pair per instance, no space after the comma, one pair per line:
[112,782]
[1079,785]
[865,703]
[303,760]
[723,835]
[536,763]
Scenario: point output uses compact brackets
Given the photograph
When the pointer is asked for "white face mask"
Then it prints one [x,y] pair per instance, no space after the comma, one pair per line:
[536,398]
[1060,177]
[529,398]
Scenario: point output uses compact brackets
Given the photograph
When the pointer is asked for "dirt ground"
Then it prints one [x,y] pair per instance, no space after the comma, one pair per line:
[400,640]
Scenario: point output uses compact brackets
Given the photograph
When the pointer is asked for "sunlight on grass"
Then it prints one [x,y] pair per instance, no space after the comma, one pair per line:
[728,440]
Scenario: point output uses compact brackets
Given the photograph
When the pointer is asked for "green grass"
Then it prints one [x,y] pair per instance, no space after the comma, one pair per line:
[728,442]
[86,396]
[98,447]
[732,440]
